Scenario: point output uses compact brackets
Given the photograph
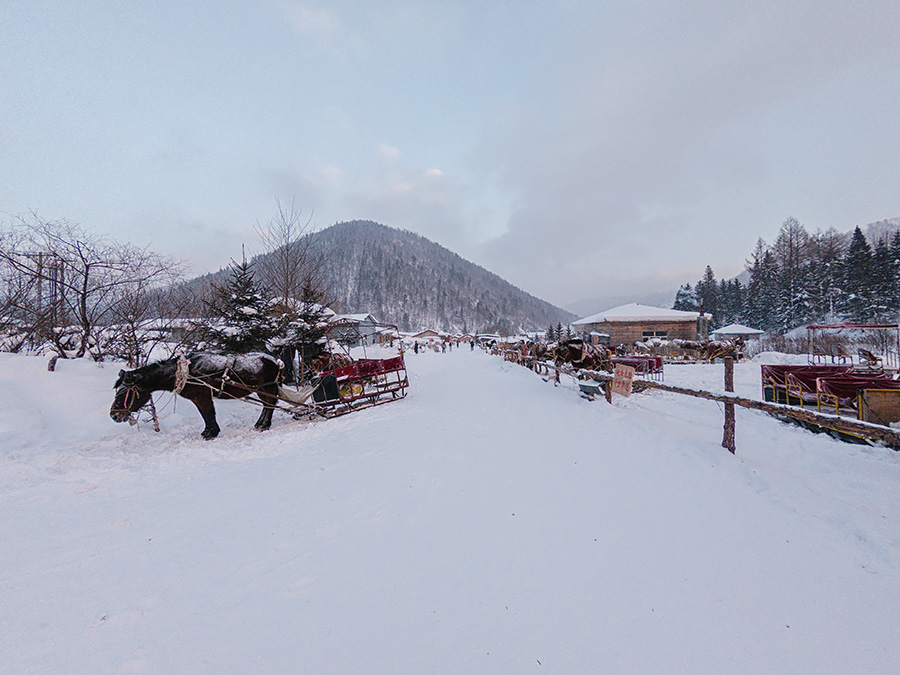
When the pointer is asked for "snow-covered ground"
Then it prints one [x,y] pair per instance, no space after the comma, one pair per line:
[489,522]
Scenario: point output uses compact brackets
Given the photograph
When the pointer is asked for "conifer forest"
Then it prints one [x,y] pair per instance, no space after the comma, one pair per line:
[803,277]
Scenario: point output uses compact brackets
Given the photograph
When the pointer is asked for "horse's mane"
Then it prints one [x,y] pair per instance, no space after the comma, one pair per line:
[156,374]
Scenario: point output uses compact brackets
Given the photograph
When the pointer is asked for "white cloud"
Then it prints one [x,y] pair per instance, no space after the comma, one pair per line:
[672,140]
[600,144]
[389,153]
[310,22]
[331,176]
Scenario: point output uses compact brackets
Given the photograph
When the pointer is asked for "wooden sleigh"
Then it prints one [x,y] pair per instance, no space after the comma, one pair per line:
[362,384]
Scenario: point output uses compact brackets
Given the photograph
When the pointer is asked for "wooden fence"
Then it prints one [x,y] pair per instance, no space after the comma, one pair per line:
[843,427]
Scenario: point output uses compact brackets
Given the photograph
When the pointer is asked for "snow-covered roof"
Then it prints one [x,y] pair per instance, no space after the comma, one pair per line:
[355,318]
[637,312]
[737,329]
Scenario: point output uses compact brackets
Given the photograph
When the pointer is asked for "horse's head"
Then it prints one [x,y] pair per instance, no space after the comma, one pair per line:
[130,396]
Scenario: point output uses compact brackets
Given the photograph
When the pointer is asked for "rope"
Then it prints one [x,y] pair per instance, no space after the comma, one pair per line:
[225,379]
[182,373]
[191,379]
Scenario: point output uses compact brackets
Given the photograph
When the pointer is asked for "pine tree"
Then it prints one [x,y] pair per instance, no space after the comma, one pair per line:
[882,280]
[804,278]
[708,293]
[894,301]
[239,314]
[858,278]
[826,276]
[731,300]
[305,320]
[759,306]
[686,299]
[791,254]
[549,336]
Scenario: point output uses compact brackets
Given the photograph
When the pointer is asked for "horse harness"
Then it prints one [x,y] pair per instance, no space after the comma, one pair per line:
[131,392]
[184,377]
[229,365]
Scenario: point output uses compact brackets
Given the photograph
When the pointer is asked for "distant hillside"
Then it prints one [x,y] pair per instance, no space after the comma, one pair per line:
[406,279]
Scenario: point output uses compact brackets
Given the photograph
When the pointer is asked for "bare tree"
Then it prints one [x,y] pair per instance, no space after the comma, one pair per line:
[150,317]
[14,292]
[75,277]
[291,264]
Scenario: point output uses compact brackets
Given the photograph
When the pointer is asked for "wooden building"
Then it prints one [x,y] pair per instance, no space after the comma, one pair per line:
[637,323]
[362,329]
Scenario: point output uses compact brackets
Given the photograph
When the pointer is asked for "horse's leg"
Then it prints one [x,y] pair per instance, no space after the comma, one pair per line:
[269,399]
[202,398]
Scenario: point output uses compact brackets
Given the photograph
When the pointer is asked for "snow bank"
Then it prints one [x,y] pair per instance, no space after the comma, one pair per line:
[490,522]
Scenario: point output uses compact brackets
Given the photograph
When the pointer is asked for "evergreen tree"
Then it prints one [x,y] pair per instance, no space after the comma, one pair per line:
[894,301]
[740,295]
[686,299]
[791,254]
[708,293]
[731,301]
[882,280]
[826,276]
[306,321]
[759,307]
[804,278]
[858,278]
[549,335]
[239,318]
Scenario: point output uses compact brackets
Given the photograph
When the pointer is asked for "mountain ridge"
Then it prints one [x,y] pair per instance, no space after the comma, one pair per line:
[406,279]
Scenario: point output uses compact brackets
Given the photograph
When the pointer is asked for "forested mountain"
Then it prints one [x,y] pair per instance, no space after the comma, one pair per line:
[406,279]
[807,277]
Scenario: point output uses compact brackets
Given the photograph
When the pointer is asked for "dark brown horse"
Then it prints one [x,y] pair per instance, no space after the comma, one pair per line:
[583,355]
[204,377]
[710,350]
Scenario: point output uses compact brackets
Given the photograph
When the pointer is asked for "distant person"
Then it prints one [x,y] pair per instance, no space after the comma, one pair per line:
[416,347]
[472,346]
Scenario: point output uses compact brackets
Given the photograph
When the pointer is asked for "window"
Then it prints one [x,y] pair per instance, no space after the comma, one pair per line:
[662,334]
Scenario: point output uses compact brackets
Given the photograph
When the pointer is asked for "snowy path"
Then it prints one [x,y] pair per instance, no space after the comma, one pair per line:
[488,523]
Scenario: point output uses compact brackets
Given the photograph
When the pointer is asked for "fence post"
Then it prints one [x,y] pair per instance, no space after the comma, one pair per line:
[728,433]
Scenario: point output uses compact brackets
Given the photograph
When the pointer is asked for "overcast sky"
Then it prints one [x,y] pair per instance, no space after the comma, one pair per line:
[578,149]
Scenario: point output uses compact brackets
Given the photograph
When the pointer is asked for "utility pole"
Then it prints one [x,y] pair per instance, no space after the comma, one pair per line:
[48,267]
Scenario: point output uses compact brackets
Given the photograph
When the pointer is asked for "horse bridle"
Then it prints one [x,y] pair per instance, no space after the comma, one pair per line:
[131,392]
